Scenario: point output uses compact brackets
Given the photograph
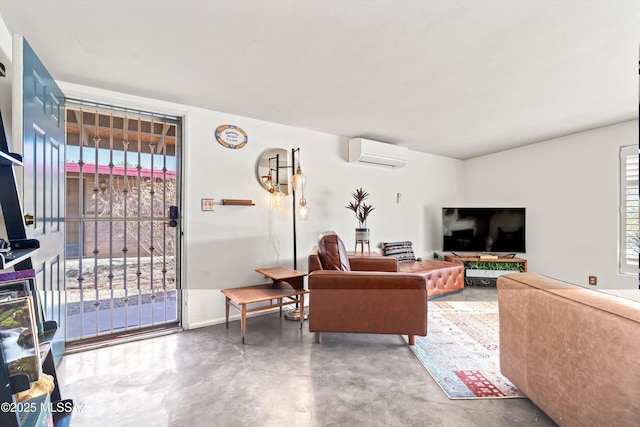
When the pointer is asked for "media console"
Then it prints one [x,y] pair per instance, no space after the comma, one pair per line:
[479,270]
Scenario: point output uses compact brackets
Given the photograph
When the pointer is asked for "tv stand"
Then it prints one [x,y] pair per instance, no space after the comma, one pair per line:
[482,272]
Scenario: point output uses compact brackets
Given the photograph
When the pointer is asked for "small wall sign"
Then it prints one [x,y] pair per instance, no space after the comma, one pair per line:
[231,136]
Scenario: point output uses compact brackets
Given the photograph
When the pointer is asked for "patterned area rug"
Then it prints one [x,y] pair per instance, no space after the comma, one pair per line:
[461,350]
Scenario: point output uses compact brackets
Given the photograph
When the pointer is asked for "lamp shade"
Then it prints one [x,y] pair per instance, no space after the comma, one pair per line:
[298,180]
[266,182]
[302,209]
[278,197]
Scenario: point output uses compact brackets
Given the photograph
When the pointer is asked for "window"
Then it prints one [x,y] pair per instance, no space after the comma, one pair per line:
[629,207]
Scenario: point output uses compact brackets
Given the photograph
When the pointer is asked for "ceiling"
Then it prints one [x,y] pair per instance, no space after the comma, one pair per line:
[453,78]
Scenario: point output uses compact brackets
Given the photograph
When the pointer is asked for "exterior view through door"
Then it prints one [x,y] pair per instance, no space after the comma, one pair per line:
[121,249]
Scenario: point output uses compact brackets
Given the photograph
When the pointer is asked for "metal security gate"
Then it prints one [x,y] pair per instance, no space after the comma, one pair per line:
[122,231]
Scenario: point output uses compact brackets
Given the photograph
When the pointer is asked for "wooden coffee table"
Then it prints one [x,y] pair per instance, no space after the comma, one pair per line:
[278,294]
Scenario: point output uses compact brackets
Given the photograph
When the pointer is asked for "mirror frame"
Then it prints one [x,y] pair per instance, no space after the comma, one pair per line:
[269,161]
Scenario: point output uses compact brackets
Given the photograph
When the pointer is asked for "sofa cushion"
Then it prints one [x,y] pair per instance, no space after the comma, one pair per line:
[442,277]
[332,253]
[402,251]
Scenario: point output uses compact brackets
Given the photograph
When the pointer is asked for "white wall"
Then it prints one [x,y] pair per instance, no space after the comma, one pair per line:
[223,248]
[570,188]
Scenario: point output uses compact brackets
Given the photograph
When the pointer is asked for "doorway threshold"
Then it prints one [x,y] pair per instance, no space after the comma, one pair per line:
[121,338]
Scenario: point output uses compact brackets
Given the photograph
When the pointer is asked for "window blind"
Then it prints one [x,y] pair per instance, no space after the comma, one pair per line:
[630,207]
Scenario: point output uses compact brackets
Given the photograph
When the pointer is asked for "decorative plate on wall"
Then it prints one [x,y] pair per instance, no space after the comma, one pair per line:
[231,136]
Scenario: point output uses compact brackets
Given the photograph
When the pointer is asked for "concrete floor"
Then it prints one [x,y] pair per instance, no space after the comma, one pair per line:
[206,377]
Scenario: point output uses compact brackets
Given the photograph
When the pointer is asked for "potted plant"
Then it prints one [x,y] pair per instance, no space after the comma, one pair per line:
[362,211]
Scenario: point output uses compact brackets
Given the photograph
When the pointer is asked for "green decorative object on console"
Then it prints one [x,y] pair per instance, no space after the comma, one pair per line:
[492,265]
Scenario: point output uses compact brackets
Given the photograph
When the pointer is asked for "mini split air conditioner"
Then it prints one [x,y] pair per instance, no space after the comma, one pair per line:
[366,151]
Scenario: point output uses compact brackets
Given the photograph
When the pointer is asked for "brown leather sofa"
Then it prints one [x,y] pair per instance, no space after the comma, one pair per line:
[574,352]
[363,294]
[442,277]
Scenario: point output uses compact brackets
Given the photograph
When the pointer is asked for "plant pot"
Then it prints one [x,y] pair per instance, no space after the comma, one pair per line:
[362,234]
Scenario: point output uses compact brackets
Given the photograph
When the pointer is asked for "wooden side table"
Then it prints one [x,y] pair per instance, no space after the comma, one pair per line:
[293,277]
[284,274]
[283,292]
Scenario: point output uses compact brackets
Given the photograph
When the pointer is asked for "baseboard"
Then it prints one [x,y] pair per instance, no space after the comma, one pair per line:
[233,318]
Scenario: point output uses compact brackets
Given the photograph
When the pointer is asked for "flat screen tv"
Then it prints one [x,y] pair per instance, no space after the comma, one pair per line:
[499,230]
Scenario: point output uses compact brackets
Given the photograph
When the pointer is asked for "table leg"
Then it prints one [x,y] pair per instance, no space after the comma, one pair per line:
[301,310]
[227,310]
[243,321]
[280,302]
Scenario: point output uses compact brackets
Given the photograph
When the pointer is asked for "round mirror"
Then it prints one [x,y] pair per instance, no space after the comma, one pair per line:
[273,170]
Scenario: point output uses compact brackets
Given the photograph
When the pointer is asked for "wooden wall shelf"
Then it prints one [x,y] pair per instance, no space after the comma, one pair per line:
[237,202]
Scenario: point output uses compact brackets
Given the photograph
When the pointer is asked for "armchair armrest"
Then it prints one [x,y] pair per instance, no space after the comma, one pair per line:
[373,263]
[333,279]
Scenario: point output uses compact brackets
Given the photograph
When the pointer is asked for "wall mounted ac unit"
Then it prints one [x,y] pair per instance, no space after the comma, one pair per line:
[378,153]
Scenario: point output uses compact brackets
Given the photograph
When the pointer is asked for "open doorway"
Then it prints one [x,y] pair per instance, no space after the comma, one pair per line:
[122,247]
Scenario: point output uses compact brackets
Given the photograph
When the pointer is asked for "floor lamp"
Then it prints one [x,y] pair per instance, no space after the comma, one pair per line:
[299,209]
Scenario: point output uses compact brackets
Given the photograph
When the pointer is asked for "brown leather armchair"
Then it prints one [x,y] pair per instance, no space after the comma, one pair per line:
[363,294]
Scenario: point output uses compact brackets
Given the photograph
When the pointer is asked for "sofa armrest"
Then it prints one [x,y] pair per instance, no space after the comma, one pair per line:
[373,263]
[333,279]
[314,260]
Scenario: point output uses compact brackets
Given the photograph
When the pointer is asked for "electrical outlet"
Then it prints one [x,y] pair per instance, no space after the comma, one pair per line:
[593,280]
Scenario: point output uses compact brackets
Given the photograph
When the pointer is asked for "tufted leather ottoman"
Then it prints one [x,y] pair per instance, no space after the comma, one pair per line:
[442,277]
